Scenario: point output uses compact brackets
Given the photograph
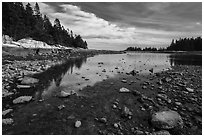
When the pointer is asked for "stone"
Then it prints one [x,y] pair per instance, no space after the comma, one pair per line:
[151,70]
[167,120]
[103,120]
[60,107]
[7,121]
[133,72]
[22,99]
[162,132]
[116,125]
[178,103]
[23,86]
[29,80]
[64,94]
[5,112]
[124,90]
[189,90]
[144,87]
[126,112]
[77,124]
[124,81]
[136,93]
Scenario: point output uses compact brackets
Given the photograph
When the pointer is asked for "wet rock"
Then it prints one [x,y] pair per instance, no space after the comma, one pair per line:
[29,80]
[167,120]
[22,99]
[77,124]
[7,121]
[23,86]
[124,90]
[126,113]
[5,112]
[162,132]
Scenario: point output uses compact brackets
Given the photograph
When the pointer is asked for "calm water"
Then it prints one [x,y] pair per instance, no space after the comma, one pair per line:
[80,72]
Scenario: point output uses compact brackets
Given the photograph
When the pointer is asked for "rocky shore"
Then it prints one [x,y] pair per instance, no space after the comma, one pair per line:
[164,103]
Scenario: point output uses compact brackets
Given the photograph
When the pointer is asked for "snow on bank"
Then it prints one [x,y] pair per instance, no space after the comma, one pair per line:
[29,43]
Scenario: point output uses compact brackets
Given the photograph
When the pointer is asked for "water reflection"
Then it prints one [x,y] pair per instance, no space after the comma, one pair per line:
[50,80]
[77,73]
[185,59]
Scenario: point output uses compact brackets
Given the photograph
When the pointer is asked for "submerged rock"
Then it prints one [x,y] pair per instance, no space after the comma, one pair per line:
[29,80]
[167,120]
[124,90]
[22,99]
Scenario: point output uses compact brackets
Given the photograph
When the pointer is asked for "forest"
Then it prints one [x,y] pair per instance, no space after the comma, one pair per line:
[27,22]
[185,44]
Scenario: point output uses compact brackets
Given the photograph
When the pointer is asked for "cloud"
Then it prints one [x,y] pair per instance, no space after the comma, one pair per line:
[118,25]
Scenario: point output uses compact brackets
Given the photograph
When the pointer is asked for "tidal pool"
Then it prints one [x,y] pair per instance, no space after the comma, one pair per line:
[77,73]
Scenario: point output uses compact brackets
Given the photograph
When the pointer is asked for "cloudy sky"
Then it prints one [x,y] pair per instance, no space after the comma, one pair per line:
[120,25]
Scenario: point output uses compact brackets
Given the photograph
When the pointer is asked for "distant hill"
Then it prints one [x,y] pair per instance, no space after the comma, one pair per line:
[19,22]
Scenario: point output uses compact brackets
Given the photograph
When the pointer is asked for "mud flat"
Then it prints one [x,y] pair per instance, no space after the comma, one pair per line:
[125,104]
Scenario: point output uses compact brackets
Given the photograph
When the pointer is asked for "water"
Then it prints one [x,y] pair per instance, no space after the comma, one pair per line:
[77,73]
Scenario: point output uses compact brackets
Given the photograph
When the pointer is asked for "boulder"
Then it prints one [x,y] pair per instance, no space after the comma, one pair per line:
[22,99]
[64,94]
[167,120]
[189,90]
[29,80]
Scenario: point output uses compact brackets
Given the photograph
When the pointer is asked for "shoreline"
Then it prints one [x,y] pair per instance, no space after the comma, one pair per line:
[35,116]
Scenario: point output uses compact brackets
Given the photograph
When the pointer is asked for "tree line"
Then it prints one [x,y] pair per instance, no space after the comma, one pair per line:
[26,22]
[185,44]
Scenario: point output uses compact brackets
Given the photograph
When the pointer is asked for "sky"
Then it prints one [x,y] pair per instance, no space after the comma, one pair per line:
[117,25]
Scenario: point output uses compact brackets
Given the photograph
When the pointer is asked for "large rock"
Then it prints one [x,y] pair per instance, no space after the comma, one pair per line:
[29,80]
[5,112]
[167,120]
[22,99]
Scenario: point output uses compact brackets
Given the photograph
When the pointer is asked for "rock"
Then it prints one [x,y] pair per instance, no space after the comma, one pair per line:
[151,70]
[64,94]
[167,120]
[77,124]
[7,121]
[144,87]
[23,86]
[103,70]
[5,112]
[60,107]
[167,79]
[133,72]
[124,81]
[136,93]
[159,82]
[124,90]
[29,80]
[189,90]
[126,112]
[103,120]
[22,99]
[178,103]
[162,132]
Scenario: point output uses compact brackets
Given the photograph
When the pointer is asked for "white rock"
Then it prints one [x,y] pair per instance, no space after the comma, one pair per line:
[65,94]
[23,86]
[77,123]
[7,121]
[22,99]
[124,90]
